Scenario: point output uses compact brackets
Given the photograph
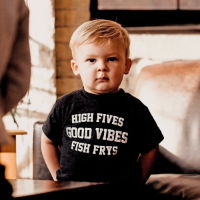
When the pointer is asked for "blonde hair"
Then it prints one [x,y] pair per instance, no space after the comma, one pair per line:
[100,31]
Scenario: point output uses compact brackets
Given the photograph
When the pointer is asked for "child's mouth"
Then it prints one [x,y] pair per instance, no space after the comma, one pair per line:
[102,79]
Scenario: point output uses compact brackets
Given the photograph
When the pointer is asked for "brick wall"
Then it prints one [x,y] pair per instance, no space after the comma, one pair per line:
[69,14]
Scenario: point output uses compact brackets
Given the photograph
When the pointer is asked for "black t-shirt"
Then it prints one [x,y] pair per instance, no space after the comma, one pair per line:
[100,136]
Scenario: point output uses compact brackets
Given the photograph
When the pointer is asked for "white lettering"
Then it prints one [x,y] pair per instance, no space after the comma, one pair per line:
[86,148]
[80,147]
[84,117]
[120,122]
[99,132]
[73,144]
[80,132]
[111,134]
[79,120]
[96,147]
[90,117]
[88,133]
[102,150]
[74,132]
[118,136]
[68,132]
[115,118]
[99,115]
[109,149]
[104,134]
[109,117]
[124,136]
[115,148]
[104,117]
[74,119]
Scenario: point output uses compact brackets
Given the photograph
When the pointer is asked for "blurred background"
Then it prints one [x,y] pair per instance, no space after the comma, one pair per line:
[160,31]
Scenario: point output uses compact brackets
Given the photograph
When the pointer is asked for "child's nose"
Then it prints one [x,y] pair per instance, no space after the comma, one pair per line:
[102,67]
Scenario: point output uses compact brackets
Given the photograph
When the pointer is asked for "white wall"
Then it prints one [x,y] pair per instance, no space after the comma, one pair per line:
[147,49]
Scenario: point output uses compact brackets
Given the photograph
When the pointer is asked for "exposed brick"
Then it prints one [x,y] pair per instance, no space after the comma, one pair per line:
[79,4]
[72,4]
[69,14]
[60,4]
[60,18]
[64,68]
[63,52]
[66,85]
[76,18]
[62,34]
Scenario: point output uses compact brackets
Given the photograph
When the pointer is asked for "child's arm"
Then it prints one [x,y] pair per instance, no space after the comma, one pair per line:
[50,154]
[146,162]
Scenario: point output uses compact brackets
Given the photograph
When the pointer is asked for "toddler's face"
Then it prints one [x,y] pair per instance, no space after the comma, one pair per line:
[101,67]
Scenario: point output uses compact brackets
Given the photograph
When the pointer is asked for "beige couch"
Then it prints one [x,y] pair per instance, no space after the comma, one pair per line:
[171,91]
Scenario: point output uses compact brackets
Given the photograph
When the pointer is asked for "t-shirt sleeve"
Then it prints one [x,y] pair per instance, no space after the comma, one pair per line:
[52,127]
[150,134]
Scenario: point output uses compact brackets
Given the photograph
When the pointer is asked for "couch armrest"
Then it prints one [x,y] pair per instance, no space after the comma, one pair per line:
[167,163]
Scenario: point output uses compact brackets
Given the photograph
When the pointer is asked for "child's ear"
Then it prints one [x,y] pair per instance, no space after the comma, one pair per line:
[74,67]
[127,65]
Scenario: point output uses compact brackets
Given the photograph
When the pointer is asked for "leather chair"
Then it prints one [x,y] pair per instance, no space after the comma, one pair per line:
[40,170]
[171,91]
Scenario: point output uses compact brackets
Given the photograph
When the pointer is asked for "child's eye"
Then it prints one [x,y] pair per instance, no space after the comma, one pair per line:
[91,60]
[112,59]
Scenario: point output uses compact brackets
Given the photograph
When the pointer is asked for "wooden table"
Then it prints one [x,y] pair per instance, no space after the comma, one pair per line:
[8,154]
[31,189]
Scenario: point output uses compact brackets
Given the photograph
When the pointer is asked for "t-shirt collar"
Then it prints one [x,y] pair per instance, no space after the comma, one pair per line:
[102,96]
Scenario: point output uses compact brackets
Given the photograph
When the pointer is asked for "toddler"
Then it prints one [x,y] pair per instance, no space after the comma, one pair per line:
[104,133]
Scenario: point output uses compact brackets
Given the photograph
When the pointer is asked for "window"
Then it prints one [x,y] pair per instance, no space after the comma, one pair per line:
[141,13]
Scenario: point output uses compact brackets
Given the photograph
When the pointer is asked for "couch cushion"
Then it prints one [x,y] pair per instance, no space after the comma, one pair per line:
[178,186]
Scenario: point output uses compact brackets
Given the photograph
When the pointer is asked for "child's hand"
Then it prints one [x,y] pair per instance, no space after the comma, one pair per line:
[50,154]
[146,162]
